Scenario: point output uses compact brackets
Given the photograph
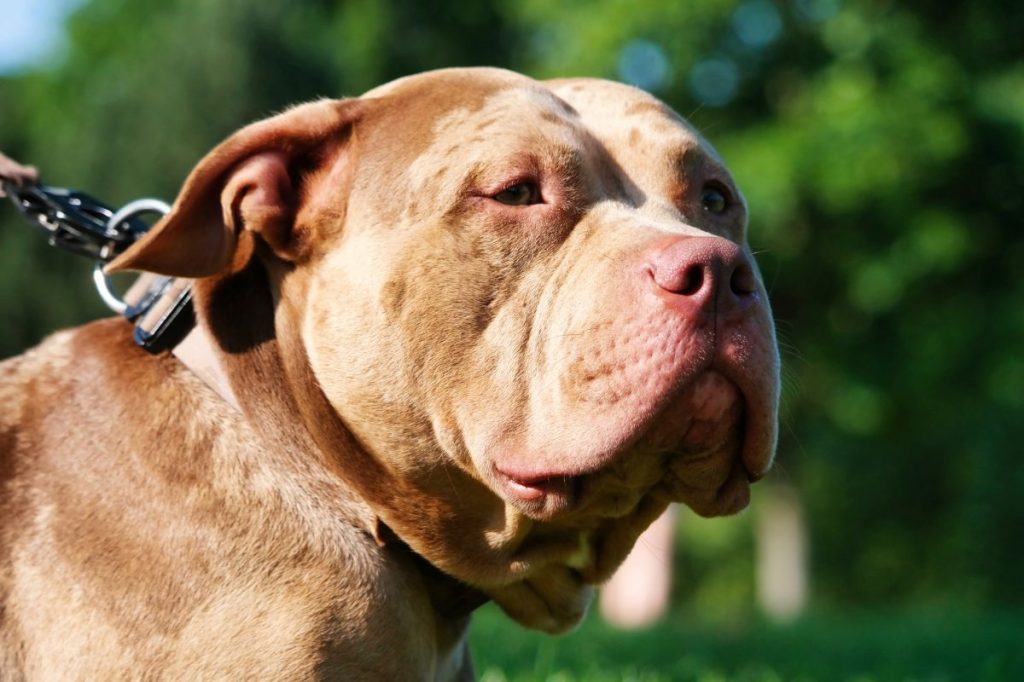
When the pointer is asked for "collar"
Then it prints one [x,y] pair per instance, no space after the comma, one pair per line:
[161,308]
[195,351]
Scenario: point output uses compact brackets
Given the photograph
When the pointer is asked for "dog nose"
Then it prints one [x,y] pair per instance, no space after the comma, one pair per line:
[705,272]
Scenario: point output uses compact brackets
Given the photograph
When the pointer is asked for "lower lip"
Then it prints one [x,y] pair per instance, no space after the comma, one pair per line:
[535,490]
[524,491]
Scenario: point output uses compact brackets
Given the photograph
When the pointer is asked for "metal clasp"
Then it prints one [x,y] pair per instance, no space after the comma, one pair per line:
[75,221]
[123,217]
[160,307]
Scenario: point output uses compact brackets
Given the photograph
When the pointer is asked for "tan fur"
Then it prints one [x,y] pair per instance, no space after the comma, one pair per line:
[442,396]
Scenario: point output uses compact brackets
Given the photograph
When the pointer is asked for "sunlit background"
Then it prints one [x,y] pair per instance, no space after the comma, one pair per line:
[880,145]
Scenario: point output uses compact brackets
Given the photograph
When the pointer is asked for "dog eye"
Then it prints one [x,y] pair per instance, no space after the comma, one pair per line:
[520,194]
[714,200]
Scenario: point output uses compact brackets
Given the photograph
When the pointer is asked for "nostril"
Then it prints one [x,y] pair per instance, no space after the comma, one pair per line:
[703,270]
[743,282]
[693,280]
[688,280]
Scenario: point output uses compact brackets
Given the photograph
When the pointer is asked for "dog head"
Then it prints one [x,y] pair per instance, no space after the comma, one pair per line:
[519,318]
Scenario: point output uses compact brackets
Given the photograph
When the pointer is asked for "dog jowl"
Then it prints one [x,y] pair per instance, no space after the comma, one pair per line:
[498,322]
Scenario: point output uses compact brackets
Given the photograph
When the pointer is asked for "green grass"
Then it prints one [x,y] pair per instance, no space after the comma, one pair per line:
[856,648]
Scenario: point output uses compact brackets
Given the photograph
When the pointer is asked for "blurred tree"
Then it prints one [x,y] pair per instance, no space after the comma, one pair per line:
[881,147]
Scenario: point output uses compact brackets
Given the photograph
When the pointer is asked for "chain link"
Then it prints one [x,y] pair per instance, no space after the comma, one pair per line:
[77,222]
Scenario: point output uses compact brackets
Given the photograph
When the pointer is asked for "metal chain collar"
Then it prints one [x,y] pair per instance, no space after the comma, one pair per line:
[77,222]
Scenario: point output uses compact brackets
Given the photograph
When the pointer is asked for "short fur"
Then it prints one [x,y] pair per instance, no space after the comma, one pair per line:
[444,397]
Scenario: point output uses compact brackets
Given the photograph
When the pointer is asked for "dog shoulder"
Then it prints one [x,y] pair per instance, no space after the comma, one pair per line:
[135,503]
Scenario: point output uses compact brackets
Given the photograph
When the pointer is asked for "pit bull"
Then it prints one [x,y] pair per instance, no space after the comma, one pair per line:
[477,332]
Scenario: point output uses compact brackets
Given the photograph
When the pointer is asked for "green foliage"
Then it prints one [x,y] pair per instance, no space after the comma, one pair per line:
[881,148]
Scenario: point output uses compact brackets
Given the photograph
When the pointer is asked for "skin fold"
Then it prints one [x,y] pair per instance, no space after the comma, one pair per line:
[482,331]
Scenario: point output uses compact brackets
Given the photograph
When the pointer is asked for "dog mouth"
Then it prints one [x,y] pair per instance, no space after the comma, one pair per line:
[690,452]
[539,493]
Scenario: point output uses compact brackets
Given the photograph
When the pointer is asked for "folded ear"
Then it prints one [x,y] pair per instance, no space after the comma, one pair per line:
[251,181]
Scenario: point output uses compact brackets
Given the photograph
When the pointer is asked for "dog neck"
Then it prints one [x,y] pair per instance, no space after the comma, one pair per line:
[228,349]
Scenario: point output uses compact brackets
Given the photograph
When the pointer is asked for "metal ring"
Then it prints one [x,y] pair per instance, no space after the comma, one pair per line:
[106,292]
[137,207]
[102,281]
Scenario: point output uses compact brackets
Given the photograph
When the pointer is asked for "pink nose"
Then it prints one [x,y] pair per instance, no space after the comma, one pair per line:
[706,274]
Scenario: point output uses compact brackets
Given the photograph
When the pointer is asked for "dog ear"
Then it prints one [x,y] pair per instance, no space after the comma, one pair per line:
[250,182]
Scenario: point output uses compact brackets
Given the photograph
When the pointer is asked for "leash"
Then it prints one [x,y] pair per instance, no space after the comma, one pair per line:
[76,222]
[159,307]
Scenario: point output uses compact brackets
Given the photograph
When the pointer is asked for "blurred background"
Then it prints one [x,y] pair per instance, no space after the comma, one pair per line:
[880,145]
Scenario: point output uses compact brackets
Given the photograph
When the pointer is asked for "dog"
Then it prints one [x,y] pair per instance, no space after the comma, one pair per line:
[478,332]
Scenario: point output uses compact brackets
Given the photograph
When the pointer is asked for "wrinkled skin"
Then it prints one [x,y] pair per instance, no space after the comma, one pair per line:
[500,322]
[530,346]
[528,384]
